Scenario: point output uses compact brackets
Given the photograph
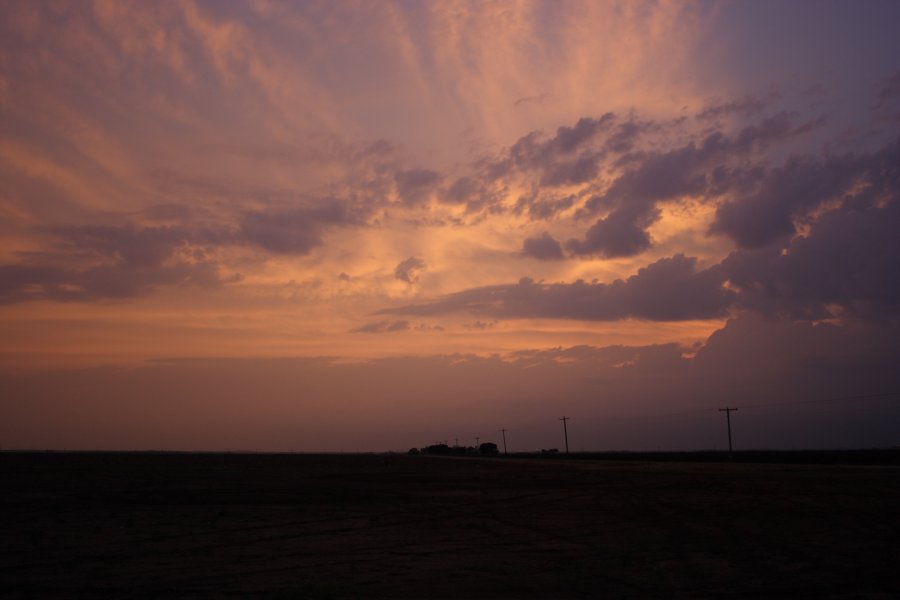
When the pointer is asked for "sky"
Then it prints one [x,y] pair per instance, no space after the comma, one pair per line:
[363,226]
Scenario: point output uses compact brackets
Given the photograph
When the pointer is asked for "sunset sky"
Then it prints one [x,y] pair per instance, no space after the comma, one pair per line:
[350,226]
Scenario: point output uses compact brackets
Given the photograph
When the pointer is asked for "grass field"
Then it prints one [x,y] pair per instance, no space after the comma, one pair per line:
[371,526]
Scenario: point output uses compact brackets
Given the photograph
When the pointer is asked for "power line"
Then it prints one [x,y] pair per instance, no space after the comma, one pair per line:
[825,400]
[707,411]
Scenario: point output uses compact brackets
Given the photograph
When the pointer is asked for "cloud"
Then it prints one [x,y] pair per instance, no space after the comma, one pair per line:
[566,158]
[91,262]
[619,234]
[745,107]
[543,207]
[281,233]
[655,177]
[848,264]
[671,289]
[383,327]
[482,325]
[21,283]
[788,194]
[474,192]
[296,231]
[132,246]
[101,261]
[544,247]
[888,90]
[660,176]
[843,213]
[409,269]
[415,186]
[539,99]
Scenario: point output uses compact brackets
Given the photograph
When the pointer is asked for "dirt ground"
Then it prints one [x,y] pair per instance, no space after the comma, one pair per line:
[373,526]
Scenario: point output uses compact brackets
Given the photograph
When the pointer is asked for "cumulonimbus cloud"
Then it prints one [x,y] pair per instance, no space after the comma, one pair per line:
[847,263]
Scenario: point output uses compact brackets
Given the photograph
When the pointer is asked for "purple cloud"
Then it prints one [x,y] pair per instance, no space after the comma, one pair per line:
[414,186]
[409,269]
[671,289]
[789,193]
[543,247]
[383,327]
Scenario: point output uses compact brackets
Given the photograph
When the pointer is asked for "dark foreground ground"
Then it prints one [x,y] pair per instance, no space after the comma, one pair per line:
[295,526]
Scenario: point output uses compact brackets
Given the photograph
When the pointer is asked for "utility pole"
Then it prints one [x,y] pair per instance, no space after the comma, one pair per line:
[727,412]
[566,432]
[503,431]
[476,441]
[456,442]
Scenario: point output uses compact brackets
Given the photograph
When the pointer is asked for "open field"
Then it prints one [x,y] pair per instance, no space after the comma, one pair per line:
[345,526]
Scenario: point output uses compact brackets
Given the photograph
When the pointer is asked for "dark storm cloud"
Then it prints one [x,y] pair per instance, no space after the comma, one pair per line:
[691,170]
[461,190]
[574,155]
[624,136]
[848,263]
[785,195]
[414,186]
[476,193]
[409,269]
[660,176]
[569,139]
[670,289]
[290,233]
[567,157]
[580,169]
[543,247]
[843,260]
[619,234]
[789,193]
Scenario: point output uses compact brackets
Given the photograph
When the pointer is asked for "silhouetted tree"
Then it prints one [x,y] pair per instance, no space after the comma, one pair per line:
[436,449]
[488,448]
